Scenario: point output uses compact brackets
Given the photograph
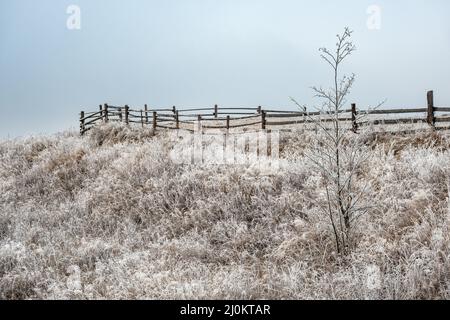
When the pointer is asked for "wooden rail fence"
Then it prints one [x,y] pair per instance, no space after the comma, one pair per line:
[229,118]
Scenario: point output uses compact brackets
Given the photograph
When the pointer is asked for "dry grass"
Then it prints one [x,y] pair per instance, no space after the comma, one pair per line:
[110,216]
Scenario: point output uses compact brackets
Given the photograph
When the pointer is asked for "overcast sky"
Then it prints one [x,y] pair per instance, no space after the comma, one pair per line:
[202,52]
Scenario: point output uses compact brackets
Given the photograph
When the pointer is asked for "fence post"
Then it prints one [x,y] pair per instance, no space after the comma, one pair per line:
[228,122]
[199,124]
[430,118]
[177,120]
[142,118]
[146,114]
[100,108]
[263,119]
[105,112]
[120,114]
[127,115]
[216,111]
[82,123]
[258,110]
[155,116]
[174,109]
[354,123]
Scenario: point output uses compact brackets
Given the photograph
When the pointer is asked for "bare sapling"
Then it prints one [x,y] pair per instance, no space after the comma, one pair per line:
[337,152]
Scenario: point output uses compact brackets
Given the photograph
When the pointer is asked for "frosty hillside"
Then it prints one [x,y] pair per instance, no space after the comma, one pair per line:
[135,225]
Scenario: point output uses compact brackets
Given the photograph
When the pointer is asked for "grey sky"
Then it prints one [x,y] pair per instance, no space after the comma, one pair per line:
[202,52]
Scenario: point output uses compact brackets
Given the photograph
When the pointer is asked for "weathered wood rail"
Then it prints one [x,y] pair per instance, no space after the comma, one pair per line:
[229,118]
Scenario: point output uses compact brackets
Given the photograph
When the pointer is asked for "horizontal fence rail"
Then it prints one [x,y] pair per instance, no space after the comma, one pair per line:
[228,118]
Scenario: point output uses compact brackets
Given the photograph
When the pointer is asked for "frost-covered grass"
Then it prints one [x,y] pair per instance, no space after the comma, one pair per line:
[111,216]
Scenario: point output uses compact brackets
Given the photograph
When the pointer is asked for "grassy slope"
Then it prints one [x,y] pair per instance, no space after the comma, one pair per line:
[110,216]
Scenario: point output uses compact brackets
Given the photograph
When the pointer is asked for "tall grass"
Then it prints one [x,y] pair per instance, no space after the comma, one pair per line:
[111,216]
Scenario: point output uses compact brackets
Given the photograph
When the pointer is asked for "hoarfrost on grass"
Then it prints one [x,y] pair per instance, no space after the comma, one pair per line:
[111,215]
